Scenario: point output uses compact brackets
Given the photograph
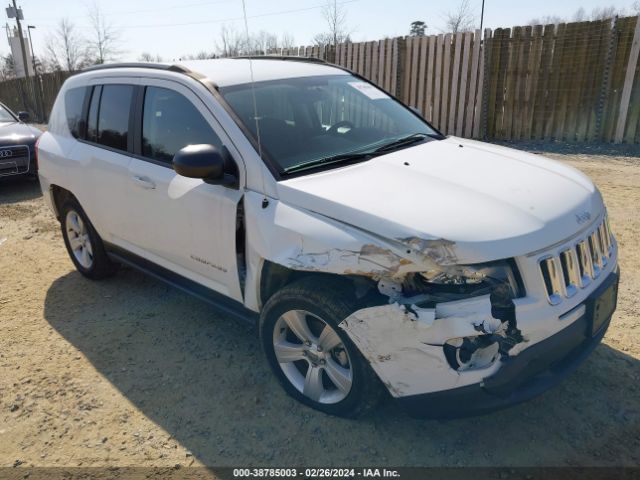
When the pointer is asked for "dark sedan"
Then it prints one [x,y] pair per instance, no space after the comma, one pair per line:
[17,144]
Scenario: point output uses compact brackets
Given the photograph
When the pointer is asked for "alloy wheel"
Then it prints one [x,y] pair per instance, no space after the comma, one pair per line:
[79,239]
[312,356]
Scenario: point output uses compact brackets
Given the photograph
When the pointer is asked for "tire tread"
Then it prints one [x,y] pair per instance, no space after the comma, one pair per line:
[339,304]
[102,266]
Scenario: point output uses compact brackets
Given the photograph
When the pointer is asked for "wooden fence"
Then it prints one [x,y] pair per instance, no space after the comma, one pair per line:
[573,82]
[24,94]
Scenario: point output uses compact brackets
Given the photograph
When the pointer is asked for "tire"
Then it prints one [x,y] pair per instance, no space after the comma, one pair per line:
[317,378]
[83,243]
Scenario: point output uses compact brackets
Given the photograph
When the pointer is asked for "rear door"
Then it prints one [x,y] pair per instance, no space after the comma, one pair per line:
[104,154]
[182,224]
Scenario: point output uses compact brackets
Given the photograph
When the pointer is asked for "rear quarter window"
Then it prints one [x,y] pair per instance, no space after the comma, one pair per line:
[74,107]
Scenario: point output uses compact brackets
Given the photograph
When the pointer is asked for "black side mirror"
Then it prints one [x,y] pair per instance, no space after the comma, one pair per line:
[202,161]
[24,116]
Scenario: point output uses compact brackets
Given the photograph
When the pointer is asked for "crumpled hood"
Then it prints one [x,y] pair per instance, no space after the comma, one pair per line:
[491,202]
[12,132]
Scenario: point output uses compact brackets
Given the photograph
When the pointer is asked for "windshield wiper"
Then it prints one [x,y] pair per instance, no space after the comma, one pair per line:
[348,157]
[342,158]
[401,142]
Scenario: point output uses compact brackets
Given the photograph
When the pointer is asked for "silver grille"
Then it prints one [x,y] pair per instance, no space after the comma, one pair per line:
[14,159]
[575,267]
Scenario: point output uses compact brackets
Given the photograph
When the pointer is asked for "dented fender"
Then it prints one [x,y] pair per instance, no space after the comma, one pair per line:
[404,343]
[303,240]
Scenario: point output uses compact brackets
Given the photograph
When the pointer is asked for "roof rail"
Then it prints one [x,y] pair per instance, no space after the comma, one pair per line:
[281,57]
[155,66]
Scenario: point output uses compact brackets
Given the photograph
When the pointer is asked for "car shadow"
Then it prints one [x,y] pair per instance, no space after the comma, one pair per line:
[18,189]
[201,376]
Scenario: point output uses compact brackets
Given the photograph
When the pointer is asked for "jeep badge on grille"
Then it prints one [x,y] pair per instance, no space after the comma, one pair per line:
[583,217]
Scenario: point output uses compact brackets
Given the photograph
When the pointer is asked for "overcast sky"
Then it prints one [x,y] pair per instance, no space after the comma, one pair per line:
[172,29]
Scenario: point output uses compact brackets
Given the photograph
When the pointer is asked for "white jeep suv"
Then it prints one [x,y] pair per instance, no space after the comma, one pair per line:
[375,254]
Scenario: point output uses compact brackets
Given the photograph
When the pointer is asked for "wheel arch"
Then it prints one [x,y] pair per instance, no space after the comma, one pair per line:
[274,277]
[59,196]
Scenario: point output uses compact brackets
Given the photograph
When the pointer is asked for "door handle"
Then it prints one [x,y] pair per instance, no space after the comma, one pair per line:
[144,182]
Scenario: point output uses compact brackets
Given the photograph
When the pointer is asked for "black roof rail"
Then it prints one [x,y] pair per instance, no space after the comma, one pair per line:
[281,57]
[154,66]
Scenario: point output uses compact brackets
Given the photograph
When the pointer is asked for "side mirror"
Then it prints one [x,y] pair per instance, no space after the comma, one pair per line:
[24,116]
[202,161]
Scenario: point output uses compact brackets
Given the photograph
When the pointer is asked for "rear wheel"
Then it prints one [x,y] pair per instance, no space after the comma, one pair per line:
[314,360]
[83,243]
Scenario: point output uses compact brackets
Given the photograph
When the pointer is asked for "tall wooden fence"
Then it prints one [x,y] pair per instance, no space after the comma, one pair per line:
[574,81]
[34,95]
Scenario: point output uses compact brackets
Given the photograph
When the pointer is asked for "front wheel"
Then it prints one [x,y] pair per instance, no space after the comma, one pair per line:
[314,360]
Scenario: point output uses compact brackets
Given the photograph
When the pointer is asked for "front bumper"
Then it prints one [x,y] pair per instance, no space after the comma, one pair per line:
[16,160]
[521,377]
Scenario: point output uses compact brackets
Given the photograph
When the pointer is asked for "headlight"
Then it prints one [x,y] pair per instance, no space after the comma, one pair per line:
[493,272]
[468,276]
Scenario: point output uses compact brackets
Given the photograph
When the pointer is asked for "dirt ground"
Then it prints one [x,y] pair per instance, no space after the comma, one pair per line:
[129,372]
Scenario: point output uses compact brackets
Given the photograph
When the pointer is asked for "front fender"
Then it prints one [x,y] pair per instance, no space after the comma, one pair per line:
[302,240]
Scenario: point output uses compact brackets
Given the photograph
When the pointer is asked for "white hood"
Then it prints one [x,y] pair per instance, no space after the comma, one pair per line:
[491,202]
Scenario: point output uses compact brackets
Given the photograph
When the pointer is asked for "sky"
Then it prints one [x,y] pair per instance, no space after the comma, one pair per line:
[172,29]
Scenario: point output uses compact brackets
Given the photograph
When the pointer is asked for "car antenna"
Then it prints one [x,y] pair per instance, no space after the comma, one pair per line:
[265,200]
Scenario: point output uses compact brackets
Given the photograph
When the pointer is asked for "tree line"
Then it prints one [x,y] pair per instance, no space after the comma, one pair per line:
[68,50]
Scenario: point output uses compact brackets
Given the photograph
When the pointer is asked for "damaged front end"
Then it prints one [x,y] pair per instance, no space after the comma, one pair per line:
[425,323]
[446,326]
[456,322]
[462,294]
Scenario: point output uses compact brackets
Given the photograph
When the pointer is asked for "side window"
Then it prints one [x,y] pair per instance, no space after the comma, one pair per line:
[92,127]
[73,103]
[171,122]
[113,116]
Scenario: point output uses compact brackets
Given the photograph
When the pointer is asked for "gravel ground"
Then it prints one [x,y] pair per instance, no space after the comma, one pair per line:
[131,372]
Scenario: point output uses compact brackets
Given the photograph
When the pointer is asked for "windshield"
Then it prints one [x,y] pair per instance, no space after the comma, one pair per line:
[312,122]
[5,116]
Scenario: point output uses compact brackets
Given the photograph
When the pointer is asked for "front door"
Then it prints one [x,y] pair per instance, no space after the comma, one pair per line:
[182,224]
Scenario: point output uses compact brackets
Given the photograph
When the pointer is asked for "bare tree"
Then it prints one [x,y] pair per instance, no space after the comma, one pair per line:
[104,40]
[635,7]
[202,55]
[231,43]
[262,42]
[462,19]
[601,13]
[66,48]
[580,15]
[336,17]
[7,70]
[46,65]
[147,57]
[287,41]
[547,20]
